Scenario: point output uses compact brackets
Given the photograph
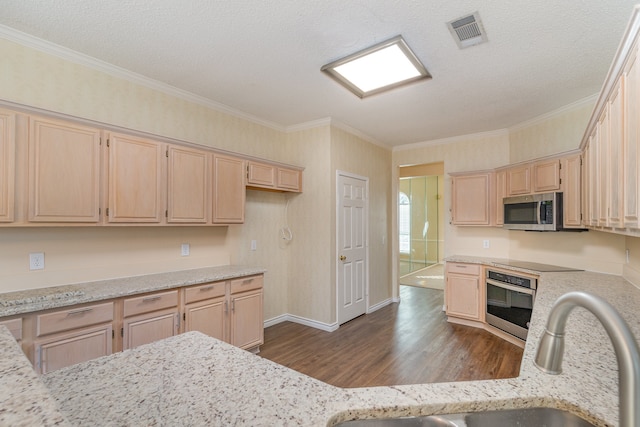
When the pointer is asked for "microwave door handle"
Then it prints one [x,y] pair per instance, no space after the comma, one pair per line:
[540,207]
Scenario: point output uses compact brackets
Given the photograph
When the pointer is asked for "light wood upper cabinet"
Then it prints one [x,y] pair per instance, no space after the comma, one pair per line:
[7,165]
[603,168]
[519,180]
[188,189]
[501,193]
[472,198]
[136,179]
[64,172]
[615,163]
[546,176]
[262,175]
[572,191]
[593,182]
[228,189]
[631,141]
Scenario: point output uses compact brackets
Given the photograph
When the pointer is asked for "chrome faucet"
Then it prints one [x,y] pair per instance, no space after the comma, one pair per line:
[551,347]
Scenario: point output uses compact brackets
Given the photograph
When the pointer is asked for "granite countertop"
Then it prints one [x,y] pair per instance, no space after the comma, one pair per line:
[28,301]
[192,379]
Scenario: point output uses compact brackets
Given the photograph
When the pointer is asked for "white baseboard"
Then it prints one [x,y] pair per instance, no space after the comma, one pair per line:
[328,327]
[380,305]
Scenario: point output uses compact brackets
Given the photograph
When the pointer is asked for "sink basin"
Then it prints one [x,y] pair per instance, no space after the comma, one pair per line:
[527,417]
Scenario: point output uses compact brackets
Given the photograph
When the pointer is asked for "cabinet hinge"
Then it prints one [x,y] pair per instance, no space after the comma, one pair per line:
[560,180]
[113,334]
[108,142]
[167,152]
[247,171]
[184,316]
[107,213]
[122,332]
[99,211]
[166,213]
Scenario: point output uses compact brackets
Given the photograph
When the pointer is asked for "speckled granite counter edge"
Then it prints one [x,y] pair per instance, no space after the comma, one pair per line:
[31,300]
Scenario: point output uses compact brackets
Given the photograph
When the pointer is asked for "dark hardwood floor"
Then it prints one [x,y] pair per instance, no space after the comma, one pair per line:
[406,343]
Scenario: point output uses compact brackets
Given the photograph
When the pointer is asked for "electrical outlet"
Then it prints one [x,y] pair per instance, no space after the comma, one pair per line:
[254,245]
[485,244]
[185,249]
[36,261]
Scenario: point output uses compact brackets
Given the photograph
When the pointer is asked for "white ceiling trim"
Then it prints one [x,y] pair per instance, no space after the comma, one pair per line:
[53,49]
[453,139]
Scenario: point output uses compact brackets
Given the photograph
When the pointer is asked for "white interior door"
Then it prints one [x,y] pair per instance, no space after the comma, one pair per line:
[352,270]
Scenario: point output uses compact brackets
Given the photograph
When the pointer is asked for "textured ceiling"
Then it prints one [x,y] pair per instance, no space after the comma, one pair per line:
[263,58]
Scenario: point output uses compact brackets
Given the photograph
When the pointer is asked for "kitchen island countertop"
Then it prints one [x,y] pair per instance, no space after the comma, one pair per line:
[192,379]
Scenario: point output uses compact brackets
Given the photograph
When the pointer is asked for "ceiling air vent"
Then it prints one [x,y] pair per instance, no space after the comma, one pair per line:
[467,31]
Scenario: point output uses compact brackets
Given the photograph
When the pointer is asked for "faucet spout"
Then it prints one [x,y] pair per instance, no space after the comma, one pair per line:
[551,348]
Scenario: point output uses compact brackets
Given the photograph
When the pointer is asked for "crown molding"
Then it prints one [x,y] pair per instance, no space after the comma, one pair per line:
[453,139]
[70,55]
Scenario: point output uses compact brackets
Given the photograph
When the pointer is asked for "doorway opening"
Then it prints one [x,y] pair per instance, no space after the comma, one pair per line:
[420,219]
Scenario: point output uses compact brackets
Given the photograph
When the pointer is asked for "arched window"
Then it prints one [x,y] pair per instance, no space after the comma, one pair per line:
[404,223]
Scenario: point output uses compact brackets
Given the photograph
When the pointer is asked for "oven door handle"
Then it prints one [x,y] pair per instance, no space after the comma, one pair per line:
[503,285]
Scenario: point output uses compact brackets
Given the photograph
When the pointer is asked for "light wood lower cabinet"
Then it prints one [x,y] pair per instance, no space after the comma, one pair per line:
[206,310]
[74,335]
[150,318]
[74,347]
[464,291]
[230,311]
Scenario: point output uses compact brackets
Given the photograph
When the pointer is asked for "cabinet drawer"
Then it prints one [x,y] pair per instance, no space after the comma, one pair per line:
[78,317]
[14,326]
[455,267]
[246,284]
[148,303]
[206,291]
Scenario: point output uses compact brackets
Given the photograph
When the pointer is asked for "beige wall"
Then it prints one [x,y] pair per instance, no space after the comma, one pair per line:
[555,133]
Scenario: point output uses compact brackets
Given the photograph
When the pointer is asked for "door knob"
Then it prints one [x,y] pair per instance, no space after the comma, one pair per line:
[343,258]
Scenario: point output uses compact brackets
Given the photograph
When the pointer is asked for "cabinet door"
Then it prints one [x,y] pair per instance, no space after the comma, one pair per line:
[247,324]
[261,174]
[519,180]
[463,296]
[603,168]
[546,176]
[135,179]
[149,327]
[631,162]
[470,203]
[615,166]
[188,186]
[73,347]
[7,165]
[289,180]
[572,191]
[501,193]
[229,190]
[594,181]
[208,316]
[64,172]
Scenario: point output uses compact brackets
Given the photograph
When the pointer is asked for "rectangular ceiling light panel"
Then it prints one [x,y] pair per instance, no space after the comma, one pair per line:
[379,68]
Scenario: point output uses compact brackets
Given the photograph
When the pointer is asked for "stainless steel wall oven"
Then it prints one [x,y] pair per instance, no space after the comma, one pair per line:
[510,300]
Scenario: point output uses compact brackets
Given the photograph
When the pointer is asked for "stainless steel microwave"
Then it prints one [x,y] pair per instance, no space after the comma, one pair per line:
[534,212]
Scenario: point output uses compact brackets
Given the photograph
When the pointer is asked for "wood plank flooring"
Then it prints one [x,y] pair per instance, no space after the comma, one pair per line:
[406,343]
